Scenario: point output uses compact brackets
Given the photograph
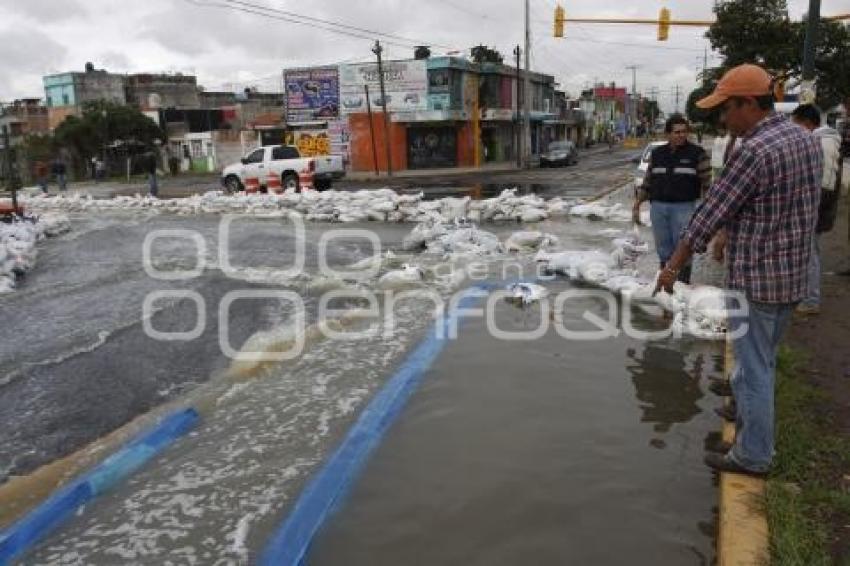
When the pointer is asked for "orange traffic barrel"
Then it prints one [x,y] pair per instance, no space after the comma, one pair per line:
[273,183]
[305,180]
[252,185]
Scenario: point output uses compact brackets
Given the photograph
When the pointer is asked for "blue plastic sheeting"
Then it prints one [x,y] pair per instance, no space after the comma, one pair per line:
[318,500]
[25,533]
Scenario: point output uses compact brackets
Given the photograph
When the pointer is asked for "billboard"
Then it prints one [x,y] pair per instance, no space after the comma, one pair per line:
[405,83]
[311,94]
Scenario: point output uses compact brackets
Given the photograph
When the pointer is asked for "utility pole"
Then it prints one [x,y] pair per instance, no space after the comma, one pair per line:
[807,89]
[677,92]
[518,130]
[526,97]
[11,171]
[633,109]
[378,50]
[653,96]
[704,64]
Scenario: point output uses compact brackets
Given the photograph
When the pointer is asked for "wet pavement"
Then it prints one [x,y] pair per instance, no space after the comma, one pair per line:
[543,452]
[546,451]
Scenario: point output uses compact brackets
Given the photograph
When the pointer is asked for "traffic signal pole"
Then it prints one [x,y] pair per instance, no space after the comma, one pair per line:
[807,89]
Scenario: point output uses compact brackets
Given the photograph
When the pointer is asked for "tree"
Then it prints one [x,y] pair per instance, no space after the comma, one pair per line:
[103,124]
[760,31]
[483,54]
[698,115]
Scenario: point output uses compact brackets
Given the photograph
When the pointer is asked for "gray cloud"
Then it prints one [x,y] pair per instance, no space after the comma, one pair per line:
[231,48]
[47,11]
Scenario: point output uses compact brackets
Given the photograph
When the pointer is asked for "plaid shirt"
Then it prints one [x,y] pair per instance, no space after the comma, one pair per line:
[767,199]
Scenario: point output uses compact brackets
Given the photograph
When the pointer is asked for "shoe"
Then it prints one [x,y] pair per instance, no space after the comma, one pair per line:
[728,413]
[724,463]
[720,387]
[807,310]
[719,446]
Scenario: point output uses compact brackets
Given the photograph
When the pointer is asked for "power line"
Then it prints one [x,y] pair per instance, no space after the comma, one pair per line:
[325,24]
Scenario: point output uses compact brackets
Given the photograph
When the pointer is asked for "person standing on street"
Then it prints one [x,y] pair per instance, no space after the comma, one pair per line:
[767,199]
[150,168]
[60,171]
[679,172]
[808,116]
[41,175]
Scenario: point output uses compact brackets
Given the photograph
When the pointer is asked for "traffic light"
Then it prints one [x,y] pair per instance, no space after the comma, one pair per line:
[663,24]
[559,21]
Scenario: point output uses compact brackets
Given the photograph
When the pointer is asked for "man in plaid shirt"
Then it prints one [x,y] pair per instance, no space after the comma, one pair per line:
[767,200]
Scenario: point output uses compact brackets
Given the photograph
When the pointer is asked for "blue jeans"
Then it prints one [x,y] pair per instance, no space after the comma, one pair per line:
[152,184]
[62,181]
[669,219]
[813,296]
[753,381]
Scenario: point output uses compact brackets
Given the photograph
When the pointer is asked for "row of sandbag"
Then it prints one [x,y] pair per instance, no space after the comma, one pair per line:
[380,205]
[18,239]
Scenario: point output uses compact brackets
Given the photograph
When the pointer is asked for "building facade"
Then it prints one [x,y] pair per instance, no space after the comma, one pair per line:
[147,91]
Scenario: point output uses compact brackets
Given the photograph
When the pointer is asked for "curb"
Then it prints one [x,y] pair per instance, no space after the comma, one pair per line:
[743,537]
[23,535]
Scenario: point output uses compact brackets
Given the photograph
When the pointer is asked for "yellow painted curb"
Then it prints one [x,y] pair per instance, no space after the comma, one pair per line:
[743,537]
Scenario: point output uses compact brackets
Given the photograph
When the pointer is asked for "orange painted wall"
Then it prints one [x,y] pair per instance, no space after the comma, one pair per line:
[361,143]
[465,154]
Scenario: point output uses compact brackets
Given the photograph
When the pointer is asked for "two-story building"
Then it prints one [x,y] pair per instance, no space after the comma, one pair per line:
[443,112]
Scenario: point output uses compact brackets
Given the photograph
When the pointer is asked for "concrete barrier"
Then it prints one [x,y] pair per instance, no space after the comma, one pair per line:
[743,538]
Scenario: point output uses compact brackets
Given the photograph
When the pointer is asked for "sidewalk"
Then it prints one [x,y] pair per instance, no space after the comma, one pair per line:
[502,167]
[366,176]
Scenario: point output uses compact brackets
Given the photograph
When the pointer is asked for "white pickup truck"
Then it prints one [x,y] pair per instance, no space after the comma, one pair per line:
[285,162]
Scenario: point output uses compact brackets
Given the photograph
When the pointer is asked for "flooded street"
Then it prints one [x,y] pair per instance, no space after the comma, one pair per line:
[548,451]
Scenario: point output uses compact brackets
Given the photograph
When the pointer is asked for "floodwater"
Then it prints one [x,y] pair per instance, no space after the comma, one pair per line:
[548,452]
[545,451]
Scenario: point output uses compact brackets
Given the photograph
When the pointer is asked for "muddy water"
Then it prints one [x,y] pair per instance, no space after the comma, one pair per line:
[217,495]
[548,452]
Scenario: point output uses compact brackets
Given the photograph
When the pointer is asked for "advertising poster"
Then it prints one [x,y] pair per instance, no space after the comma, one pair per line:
[405,83]
[311,94]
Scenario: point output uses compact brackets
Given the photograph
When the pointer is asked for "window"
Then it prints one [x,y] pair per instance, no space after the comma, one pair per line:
[65,100]
[197,149]
[255,156]
[285,152]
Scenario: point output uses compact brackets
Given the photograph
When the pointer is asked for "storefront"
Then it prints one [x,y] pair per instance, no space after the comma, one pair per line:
[432,146]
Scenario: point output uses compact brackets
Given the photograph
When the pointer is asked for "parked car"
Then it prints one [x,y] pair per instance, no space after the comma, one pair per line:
[642,161]
[560,153]
[285,162]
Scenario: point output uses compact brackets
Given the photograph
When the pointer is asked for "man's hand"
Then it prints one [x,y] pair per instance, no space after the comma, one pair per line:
[636,213]
[718,245]
[666,280]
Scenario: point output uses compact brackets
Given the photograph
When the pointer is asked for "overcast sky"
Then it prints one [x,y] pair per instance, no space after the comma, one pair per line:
[229,50]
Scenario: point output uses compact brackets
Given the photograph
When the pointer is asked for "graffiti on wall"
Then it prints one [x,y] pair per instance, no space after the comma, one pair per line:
[310,143]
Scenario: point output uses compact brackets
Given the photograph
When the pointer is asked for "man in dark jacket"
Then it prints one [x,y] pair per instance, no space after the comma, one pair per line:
[149,166]
[679,173]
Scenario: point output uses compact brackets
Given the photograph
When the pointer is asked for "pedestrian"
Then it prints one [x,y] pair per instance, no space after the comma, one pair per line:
[767,199]
[149,165]
[809,117]
[60,171]
[41,175]
[678,174]
[99,169]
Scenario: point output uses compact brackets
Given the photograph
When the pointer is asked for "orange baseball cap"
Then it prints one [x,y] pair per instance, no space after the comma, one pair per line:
[743,80]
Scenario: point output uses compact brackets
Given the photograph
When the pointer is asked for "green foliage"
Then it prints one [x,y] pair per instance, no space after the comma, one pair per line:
[483,54]
[103,124]
[760,31]
[804,492]
[698,115]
